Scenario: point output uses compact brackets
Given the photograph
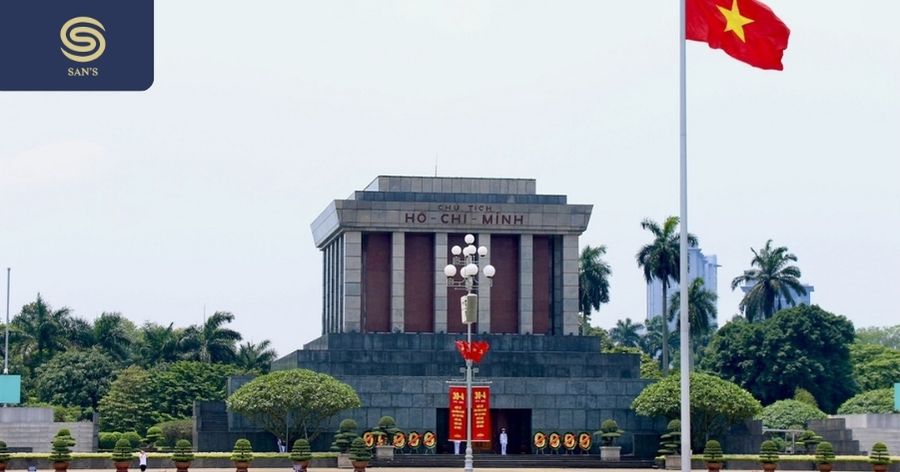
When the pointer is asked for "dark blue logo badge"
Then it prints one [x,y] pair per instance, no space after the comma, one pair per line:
[76,44]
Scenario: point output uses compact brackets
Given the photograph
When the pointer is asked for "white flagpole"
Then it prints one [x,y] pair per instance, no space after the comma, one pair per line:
[683,256]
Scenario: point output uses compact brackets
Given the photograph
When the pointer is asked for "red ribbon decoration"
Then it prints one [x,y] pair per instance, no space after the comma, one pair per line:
[473,351]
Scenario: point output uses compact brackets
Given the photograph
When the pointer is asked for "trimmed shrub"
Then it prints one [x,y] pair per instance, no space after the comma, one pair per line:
[107,441]
[768,453]
[343,440]
[879,454]
[713,451]
[824,453]
[788,414]
[183,451]
[154,435]
[873,401]
[359,451]
[670,441]
[65,434]
[134,439]
[301,451]
[4,453]
[174,430]
[242,452]
[809,440]
[60,451]
[122,451]
[609,432]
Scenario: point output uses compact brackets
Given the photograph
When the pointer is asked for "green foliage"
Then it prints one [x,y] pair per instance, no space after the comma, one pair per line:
[712,452]
[810,344]
[808,440]
[122,451]
[108,440]
[183,451]
[4,453]
[768,453]
[343,439]
[786,414]
[701,310]
[127,406]
[670,441]
[593,282]
[133,438]
[154,435]
[771,279]
[824,453]
[75,378]
[301,451]
[887,336]
[609,432]
[176,430]
[60,450]
[715,404]
[174,388]
[875,401]
[211,342]
[386,428]
[879,454]
[649,367]
[874,366]
[803,395]
[292,400]
[242,451]
[359,451]
[65,435]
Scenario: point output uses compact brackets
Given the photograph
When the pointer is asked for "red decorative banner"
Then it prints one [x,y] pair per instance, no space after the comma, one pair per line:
[473,351]
[481,414]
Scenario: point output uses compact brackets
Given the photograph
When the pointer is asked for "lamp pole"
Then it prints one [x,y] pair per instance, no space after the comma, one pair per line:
[467,260]
[6,347]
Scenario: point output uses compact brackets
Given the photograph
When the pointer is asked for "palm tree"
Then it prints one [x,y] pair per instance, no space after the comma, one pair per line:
[159,344]
[626,333]
[113,335]
[660,260]
[701,310]
[773,279]
[211,342]
[652,340]
[39,332]
[256,357]
[593,282]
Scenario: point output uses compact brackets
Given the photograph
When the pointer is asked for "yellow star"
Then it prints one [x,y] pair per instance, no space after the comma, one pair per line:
[735,22]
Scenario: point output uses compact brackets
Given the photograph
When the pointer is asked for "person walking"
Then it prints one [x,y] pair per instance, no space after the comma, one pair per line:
[282,447]
[142,460]
[504,440]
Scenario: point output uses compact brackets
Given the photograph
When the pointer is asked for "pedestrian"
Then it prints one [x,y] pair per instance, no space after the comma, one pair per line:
[504,440]
[281,446]
[142,460]
[456,446]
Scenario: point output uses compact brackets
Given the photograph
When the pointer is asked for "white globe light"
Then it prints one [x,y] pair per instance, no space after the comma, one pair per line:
[455,250]
[489,270]
[468,250]
[469,239]
[482,251]
[472,269]
[450,270]
[464,271]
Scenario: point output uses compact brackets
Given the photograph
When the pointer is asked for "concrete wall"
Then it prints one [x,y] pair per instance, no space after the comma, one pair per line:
[33,429]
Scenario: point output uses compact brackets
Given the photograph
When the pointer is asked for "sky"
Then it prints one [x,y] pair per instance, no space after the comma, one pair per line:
[198,194]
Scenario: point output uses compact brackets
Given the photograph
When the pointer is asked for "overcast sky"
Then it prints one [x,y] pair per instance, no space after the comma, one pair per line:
[200,191]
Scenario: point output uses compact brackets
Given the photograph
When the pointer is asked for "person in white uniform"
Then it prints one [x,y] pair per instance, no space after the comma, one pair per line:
[504,440]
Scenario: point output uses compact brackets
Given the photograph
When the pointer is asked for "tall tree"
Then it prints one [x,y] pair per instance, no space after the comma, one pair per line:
[75,378]
[772,278]
[211,342]
[39,332]
[256,357]
[158,344]
[626,333]
[652,340]
[701,314]
[660,260]
[113,335]
[593,282]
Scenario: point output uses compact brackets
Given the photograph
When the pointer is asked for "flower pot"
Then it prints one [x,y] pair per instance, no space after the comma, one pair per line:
[300,466]
[122,466]
[610,453]
[2,466]
[769,466]
[60,466]
[713,466]
[879,467]
[241,466]
[359,466]
[343,461]
[182,466]
[673,462]
[384,453]
[824,467]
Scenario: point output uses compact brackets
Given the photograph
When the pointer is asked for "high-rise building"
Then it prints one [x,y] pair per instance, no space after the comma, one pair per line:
[699,265]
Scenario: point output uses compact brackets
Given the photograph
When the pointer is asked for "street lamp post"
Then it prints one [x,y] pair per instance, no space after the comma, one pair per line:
[465,262]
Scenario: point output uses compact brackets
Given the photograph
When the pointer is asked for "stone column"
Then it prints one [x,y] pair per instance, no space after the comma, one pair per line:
[440,283]
[398,280]
[526,284]
[484,286]
[352,282]
[570,284]
[326,289]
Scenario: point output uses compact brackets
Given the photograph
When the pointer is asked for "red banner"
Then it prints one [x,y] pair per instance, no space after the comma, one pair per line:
[481,414]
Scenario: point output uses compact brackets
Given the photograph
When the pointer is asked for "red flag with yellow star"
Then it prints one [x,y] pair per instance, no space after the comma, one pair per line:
[746,30]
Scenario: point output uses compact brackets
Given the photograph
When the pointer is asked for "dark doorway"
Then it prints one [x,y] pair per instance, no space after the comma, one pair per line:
[517,422]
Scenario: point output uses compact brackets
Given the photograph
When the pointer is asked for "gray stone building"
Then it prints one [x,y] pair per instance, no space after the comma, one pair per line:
[389,320]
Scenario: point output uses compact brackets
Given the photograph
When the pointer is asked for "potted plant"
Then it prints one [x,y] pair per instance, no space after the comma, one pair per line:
[824,456]
[879,457]
[183,455]
[60,454]
[122,455]
[809,439]
[609,432]
[301,455]
[386,428]
[4,456]
[343,439]
[154,435]
[670,445]
[359,455]
[712,455]
[242,455]
[768,455]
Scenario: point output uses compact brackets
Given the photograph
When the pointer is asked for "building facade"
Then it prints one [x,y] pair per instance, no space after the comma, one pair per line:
[699,266]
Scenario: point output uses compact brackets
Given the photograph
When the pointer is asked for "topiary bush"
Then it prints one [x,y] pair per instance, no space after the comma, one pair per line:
[609,432]
[345,435]
[789,414]
[386,428]
[4,453]
[874,401]
[176,429]
[824,453]
[134,439]
[712,452]
[768,453]
[879,454]
[809,440]
[107,441]
[301,451]
[359,451]
[154,436]
[670,441]
[67,435]
[122,451]
[242,452]
[60,451]
[183,451]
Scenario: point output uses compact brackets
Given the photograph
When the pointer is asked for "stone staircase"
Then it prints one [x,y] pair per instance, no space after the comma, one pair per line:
[855,434]
[513,461]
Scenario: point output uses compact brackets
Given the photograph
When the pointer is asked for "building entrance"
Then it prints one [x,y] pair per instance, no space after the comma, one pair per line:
[517,422]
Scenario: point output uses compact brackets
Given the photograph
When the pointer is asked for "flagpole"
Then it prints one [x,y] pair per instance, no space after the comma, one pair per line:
[683,256]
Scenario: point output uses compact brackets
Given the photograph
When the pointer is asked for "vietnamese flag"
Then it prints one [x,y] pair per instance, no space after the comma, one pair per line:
[746,30]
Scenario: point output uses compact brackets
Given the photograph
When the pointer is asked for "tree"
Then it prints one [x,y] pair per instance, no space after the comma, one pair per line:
[158,344]
[874,366]
[626,333]
[701,314]
[649,367]
[256,357]
[660,260]
[804,346]
[716,404]
[593,282]
[879,401]
[127,406]
[652,340]
[174,388]
[292,401]
[772,279]
[211,342]
[786,414]
[887,336]
[75,378]
[39,332]
[114,335]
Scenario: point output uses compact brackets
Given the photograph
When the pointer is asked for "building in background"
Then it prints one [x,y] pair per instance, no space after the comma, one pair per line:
[699,265]
[781,303]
